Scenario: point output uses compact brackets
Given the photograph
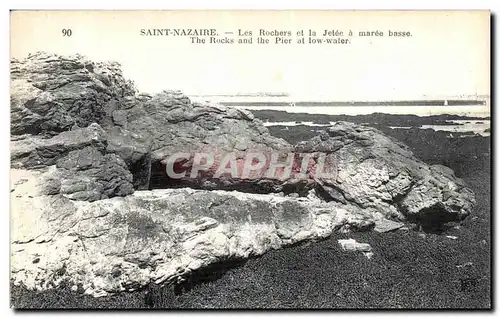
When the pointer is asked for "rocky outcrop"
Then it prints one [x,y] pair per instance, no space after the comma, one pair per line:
[92,203]
[174,124]
[51,93]
[122,244]
[82,168]
[375,170]
[33,151]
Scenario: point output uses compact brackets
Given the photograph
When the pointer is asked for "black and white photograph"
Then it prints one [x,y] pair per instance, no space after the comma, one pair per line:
[270,160]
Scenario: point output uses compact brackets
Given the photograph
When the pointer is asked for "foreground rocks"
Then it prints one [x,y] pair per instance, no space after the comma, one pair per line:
[82,168]
[92,204]
[122,244]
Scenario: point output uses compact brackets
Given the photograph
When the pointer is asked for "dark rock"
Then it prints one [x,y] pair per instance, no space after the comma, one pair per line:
[173,125]
[51,93]
[34,151]
[135,150]
[88,174]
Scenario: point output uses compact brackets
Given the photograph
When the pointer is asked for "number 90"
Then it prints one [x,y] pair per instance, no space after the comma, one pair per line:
[67,32]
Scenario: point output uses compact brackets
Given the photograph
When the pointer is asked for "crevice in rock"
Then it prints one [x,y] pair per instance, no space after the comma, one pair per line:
[160,180]
[330,193]
[141,172]
[433,219]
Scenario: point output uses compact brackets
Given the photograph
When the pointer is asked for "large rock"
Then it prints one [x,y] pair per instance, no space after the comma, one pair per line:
[174,124]
[34,151]
[375,170]
[51,93]
[122,244]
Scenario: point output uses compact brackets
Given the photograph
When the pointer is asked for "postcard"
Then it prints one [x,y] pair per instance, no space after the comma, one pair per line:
[250,159]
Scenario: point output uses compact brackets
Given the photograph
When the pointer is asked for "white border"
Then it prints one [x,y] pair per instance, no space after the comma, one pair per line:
[196,4]
[259,4]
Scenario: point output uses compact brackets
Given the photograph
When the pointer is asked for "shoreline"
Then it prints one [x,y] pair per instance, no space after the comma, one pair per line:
[467,112]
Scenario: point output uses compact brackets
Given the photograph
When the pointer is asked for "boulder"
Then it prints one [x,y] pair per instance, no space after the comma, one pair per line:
[377,171]
[51,93]
[35,151]
[159,236]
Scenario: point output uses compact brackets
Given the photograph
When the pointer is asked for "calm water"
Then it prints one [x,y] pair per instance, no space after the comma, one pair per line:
[464,110]
[474,126]
[293,123]
[478,127]
[467,110]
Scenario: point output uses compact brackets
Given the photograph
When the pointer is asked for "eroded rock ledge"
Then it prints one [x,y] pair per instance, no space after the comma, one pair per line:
[121,244]
[91,202]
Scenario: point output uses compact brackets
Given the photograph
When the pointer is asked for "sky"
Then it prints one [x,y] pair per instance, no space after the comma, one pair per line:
[448,53]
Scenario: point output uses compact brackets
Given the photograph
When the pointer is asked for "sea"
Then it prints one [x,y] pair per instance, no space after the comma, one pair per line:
[480,125]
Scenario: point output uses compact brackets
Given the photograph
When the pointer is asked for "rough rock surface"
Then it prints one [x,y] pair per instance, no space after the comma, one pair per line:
[122,244]
[385,225]
[82,168]
[175,125]
[35,151]
[135,150]
[83,141]
[375,170]
[51,93]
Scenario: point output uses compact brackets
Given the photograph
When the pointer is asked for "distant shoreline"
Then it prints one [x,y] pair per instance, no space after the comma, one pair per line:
[384,119]
[359,103]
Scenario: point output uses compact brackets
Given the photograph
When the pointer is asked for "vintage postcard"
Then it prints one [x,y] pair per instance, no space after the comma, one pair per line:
[250,159]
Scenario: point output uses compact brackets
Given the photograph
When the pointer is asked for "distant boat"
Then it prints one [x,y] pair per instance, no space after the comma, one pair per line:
[445,102]
[292,104]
